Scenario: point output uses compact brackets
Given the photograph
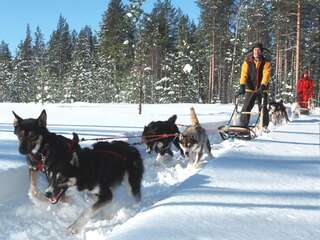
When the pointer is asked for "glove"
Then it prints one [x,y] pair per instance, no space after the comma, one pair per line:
[261,89]
[242,90]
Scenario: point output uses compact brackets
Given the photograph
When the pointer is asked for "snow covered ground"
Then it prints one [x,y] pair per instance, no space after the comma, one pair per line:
[268,188]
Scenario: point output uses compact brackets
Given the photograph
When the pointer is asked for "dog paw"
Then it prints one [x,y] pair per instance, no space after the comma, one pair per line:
[36,195]
[66,199]
[74,229]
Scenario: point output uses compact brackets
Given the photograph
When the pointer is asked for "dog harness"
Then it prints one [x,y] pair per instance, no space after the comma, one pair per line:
[37,160]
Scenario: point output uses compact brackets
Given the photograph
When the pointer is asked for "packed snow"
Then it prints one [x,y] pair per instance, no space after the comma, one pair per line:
[267,188]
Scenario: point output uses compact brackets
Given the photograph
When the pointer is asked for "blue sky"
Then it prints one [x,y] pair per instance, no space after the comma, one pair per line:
[16,14]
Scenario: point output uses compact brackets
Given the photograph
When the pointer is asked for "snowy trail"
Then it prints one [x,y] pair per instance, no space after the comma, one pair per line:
[268,188]
[247,184]
[21,218]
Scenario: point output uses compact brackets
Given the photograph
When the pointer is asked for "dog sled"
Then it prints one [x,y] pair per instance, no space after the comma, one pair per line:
[232,130]
[304,108]
[305,92]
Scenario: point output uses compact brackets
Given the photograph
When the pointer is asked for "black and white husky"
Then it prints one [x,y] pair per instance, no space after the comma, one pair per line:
[67,164]
[158,136]
[278,112]
[98,169]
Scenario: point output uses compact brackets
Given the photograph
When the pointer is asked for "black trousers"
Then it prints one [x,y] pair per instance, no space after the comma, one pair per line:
[249,100]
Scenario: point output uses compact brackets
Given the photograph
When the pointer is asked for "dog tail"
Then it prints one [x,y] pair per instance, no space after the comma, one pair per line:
[135,172]
[194,118]
[173,118]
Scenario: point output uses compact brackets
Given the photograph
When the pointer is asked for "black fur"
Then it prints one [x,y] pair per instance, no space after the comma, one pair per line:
[40,147]
[64,160]
[51,146]
[103,166]
[161,145]
[278,112]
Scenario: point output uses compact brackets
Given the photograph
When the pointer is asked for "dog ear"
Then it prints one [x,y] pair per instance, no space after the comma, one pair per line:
[75,137]
[17,119]
[42,119]
[173,118]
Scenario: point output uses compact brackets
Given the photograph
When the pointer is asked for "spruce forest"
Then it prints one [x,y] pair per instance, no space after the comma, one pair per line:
[163,56]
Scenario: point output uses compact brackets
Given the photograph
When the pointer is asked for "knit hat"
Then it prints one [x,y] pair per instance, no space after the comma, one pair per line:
[258,45]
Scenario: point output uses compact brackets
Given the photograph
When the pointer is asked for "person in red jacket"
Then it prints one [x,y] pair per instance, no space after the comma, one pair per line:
[304,89]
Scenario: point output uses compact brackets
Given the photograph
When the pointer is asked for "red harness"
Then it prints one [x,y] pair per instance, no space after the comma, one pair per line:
[151,138]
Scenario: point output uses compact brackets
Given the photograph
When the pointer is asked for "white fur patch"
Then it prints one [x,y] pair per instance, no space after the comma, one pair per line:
[71,182]
[75,160]
[95,190]
[38,145]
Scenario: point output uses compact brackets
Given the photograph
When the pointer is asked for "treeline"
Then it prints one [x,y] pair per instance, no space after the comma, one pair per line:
[162,56]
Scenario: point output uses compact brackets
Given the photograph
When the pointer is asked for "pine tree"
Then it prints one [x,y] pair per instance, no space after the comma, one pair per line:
[81,75]
[105,90]
[41,70]
[5,72]
[116,43]
[134,89]
[59,60]
[186,87]
[159,32]
[23,77]
[216,29]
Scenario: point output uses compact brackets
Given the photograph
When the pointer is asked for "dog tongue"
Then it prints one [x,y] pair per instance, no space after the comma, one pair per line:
[55,199]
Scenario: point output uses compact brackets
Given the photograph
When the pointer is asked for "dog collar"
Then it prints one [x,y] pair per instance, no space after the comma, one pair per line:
[39,159]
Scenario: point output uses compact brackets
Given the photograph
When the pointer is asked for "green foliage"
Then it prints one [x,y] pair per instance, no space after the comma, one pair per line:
[161,56]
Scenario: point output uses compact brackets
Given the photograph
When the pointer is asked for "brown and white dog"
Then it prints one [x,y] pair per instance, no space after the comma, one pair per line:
[194,141]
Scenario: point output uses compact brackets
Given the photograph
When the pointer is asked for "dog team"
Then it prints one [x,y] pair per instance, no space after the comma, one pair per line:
[102,167]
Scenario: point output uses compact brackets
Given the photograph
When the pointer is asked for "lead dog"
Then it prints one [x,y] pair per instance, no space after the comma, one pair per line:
[34,139]
[66,164]
[194,141]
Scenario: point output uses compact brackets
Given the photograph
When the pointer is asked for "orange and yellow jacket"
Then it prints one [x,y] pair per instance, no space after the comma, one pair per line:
[254,73]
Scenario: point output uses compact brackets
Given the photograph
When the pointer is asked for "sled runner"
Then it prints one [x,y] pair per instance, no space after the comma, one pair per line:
[304,107]
[232,130]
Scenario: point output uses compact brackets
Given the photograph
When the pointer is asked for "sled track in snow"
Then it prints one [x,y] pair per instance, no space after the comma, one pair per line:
[158,182]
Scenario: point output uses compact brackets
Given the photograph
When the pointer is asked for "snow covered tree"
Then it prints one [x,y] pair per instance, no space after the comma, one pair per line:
[79,85]
[134,89]
[5,72]
[105,90]
[159,31]
[216,26]
[59,60]
[185,85]
[23,78]
[116,43]
[41,71]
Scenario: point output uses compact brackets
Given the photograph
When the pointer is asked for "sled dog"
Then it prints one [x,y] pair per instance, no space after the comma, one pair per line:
[194,141]
[278,112]
[35,141]
[154,139]
[97,169]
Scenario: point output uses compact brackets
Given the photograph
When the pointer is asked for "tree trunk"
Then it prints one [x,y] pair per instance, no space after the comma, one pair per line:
[276,87]
[211,71]
[210,81]
[285,70]
[298,40]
